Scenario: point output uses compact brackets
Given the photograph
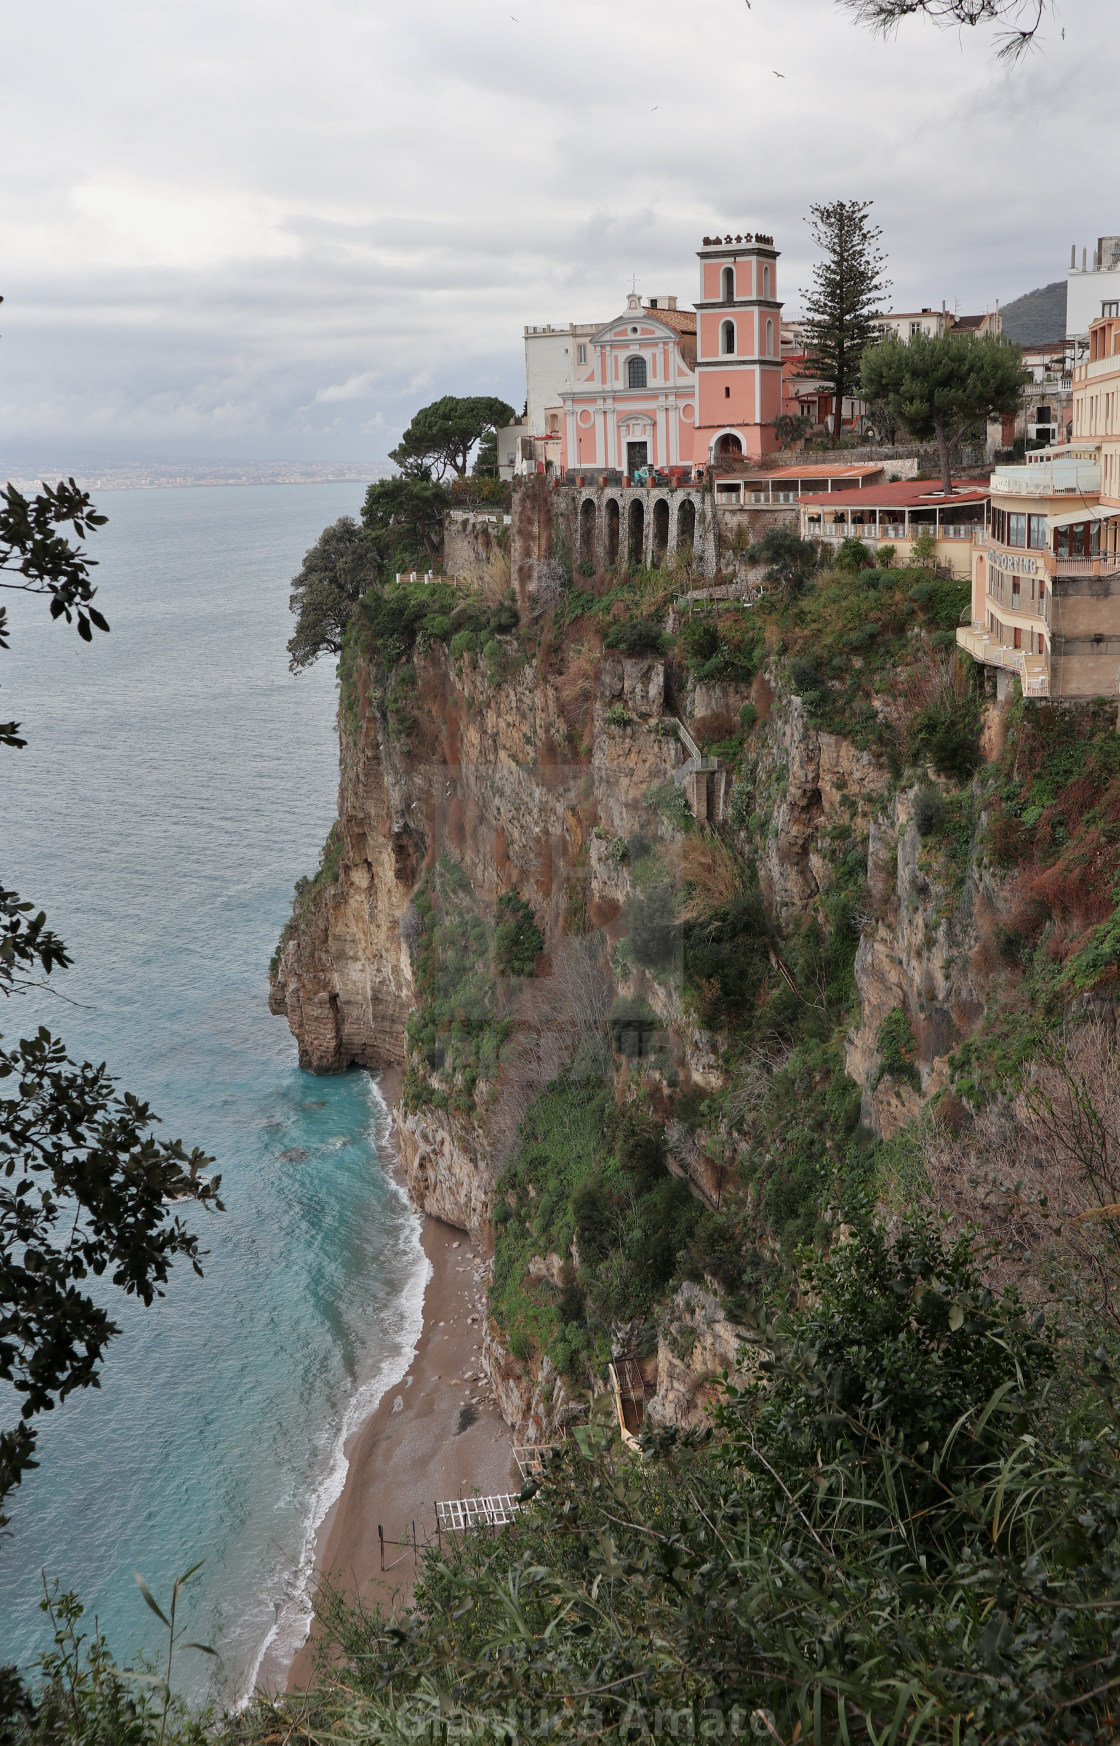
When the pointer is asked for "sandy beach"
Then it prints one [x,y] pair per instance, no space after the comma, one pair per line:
[436,1435]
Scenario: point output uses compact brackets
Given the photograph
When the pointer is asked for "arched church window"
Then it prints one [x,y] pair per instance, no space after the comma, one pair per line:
[636,376]
[769,339]
[729,284]
[766,281]
[727,338]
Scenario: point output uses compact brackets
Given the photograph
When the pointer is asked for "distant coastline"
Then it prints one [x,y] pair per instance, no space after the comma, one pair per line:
[177,475]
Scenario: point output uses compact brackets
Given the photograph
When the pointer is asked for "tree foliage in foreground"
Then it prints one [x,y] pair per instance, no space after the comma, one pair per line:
[85,1187]
[1021,19]
[941,386]
[908,1531]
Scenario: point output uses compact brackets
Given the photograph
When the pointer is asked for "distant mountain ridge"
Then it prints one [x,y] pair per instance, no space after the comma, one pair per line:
[1038,317]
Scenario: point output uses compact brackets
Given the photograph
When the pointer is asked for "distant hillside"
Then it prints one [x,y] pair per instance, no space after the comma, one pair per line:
[1039,317]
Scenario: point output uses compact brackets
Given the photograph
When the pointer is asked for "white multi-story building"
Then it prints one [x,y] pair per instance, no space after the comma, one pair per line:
[1092,287]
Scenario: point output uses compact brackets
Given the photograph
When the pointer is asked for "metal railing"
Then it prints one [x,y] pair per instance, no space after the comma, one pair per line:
[1105,564]
[1032,670]
[982,647]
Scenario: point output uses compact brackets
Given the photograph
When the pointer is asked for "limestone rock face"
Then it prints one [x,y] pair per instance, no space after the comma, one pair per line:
[445,1161]
[534,1398]
[919,952]
[490,762]
[696,1347]
[345,983]
[814,780]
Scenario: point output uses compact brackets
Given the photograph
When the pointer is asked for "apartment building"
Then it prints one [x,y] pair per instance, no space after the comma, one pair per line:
[1045,584]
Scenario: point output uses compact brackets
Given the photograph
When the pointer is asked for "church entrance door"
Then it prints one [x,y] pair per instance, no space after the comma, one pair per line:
[637,455]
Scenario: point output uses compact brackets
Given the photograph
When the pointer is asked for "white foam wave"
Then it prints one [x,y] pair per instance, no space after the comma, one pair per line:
[289,1630]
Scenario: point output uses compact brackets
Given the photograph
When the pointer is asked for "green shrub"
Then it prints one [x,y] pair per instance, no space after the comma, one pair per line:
[726,956]
[637,637]
[518,941]
[739,806]
[948,734]
[619,716]
[898,1049]
[465,642]
[923,550]
[803,675]
[638,1142]
[722,649]
[789,559]
[668,799]
[853,556]
[885,556]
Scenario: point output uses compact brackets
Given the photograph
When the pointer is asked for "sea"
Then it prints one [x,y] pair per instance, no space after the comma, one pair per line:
[177,780]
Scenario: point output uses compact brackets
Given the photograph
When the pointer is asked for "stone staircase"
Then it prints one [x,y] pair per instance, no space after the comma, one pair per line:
[703,779]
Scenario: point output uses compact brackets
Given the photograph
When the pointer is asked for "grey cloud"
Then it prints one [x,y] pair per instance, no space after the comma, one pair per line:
[229,239]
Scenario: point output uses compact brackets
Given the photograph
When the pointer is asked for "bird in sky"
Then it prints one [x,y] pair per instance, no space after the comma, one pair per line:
[656,106]
[777,75]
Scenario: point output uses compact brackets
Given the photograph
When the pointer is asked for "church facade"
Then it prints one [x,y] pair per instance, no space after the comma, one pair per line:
[651,395]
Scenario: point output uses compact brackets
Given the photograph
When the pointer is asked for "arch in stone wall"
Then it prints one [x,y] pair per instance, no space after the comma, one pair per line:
[587,514]
[686,524]
[636,531]
[660,544]
[612,519]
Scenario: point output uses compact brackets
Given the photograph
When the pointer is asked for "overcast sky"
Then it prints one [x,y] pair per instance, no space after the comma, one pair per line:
[256,228]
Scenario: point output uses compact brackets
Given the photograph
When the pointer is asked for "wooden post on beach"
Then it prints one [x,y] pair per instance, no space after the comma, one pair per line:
[381,1543]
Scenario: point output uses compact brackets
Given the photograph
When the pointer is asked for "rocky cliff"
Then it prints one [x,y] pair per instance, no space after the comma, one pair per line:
[838,907]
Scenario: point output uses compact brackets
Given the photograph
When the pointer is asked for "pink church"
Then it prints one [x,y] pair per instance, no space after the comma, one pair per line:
[644,400]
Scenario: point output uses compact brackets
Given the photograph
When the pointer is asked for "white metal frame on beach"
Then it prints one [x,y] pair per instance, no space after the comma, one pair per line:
[531,1457]
[477,1512]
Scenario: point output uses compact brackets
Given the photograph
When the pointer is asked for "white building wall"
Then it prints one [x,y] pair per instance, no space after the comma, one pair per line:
[1085,292]
[551,365]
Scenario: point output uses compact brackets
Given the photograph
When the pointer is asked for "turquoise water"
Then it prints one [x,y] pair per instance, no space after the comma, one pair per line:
[177,781]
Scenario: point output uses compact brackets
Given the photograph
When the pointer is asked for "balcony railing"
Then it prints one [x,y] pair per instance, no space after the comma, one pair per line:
[1106,565]
[1055,479]
[1034,676]
[1099,367]
[862,530]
